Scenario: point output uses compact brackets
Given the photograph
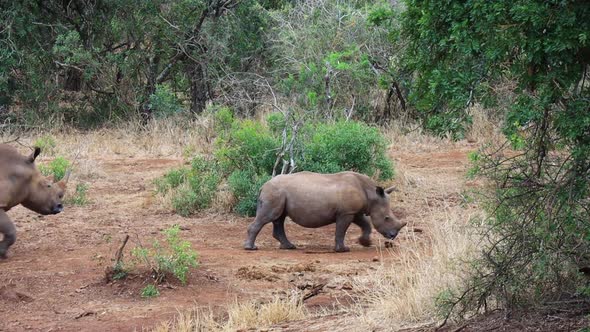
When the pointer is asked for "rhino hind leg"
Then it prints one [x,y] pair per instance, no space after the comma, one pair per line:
[9,231]
[267,211]
[278,232]
[362,222]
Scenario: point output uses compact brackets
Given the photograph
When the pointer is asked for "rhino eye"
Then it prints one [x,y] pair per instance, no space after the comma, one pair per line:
[388,218]
[49,185]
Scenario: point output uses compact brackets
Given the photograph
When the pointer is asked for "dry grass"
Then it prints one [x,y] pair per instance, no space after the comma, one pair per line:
[484,128]
[239,316]
[403,293]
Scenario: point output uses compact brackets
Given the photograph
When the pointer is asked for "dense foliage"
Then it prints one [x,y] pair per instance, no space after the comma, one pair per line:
[91,62]
[538,238]
[248,153]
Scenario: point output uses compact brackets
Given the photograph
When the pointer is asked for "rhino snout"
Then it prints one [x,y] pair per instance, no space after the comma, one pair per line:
[390,234]
[57,208]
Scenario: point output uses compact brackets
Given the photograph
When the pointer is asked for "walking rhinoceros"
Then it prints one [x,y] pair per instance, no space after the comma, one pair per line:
[314,200]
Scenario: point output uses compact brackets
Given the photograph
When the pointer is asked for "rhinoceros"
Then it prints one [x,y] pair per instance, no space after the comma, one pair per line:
[22,183]
[314,200]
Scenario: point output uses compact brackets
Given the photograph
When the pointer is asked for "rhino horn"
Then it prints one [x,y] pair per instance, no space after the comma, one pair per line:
[63,183]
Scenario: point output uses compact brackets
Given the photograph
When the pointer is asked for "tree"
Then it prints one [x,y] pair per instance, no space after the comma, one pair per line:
[538,237]
[87,62]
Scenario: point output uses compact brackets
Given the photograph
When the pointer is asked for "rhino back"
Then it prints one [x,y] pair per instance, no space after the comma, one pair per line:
[315,200]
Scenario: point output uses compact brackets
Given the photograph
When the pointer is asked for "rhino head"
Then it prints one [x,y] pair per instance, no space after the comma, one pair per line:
[44,196]
[381,216]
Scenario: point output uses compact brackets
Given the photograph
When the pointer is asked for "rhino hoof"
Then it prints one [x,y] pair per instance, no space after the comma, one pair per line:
[288,246]
[3,254]
[250,247]
[365,241]
[342,249]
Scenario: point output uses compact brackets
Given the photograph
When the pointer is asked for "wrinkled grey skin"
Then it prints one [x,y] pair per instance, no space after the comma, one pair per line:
[314,200]
[22,183]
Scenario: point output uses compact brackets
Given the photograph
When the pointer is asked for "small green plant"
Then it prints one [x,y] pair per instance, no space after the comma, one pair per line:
[79,197]
[150,291]
[47,144]
[56,168]
[190,189]
[120,271]
[174,257]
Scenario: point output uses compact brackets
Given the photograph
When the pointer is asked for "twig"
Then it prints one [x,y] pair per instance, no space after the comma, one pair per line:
[119,254]
[312,292]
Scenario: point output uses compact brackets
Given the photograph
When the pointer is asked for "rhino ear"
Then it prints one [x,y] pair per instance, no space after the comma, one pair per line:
[380,192]
[390,190]
[34,154]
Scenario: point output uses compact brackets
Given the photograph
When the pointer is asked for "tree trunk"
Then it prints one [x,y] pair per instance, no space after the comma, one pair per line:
[198,86]
[73,81]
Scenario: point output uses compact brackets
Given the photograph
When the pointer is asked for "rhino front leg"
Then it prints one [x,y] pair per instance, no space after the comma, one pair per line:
[342,224]
[363,222]
[278,232]
[9,231]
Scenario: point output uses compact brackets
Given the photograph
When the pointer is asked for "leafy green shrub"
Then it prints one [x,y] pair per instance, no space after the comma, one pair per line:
[164,102]
[276,122]
[47,144]
[191,189]
[174,257]
[224,118]
[150,291]
[247,150]
[249,145]
[56,168]
[79,198]
[245,185]
[347,145]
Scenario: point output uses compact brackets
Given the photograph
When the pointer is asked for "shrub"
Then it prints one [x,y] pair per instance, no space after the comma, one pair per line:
[246,152]
[249,145]
[190,189]
[245,185]
[56,168]
[347,145]
[47,144]
[224,118]
[150,291]
[164,102]
[174,257]
[79,198]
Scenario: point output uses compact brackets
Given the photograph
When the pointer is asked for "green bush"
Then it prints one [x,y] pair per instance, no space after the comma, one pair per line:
[191,189]
[150,291]
[347,145]
[174,257]
[246,152]
[79,198]
[249,145]
[56,168]
[164,102]
[224,118]
[47,144]
[245,185]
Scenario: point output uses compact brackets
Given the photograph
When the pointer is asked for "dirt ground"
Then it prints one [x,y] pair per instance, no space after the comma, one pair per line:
[54,278]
